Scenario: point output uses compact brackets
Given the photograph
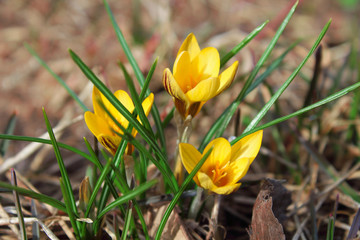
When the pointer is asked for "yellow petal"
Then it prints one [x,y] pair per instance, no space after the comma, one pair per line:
[237,170]
[205,181]
[147,103]
[227,77]
[172,87]
[204,90]
[225,190]
[207,63]
[191,45]
[96,97]
[219,156]
[97,125]
[247,147]
[111,143]
[183,73]
[189,157]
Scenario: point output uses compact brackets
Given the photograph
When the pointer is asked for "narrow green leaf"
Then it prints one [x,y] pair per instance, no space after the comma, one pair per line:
[268,105]
[45,141]
[18,206]
[57,77]
[179,193]
[301,111]
[38,196]
[136,99]
[138,74]
[224,119]
[118,105]
[69,209]
[242,44]
[64,175]
[126,197]
[10,127]
[128,219]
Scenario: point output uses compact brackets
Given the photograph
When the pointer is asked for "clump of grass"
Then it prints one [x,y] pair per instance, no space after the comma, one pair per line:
[113,194]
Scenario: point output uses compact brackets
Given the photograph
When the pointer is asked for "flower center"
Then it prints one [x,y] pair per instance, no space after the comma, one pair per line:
[218,174]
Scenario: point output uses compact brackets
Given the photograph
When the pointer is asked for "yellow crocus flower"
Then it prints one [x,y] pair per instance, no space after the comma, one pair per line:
[226,164]
[195,78]
[103,127]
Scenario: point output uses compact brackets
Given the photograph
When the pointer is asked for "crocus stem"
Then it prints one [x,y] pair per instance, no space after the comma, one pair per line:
[196,204]
[214,218]
[184,131]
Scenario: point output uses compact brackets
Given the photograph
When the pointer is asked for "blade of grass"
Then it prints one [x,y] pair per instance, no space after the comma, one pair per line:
[301,111]
[70,212]
[18,206]
[118,105]
[242,44]
[45,141]
[162,165]
[40,197]
[65,178]
[179,193]
[128,219]
[268,105]
[224,119]
[136,99]
[137,71]
[124,198]
[57,77]
[10,127]
[35,225]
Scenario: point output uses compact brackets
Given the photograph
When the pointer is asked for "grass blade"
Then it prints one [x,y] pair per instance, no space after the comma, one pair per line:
[38,196]
[9,130]
[18,206]
[126,197]
[35,225]
[137,71]
[128,219]
[179,193]
[65,178]
[268,105]
[242,44]
[70,212]
[301,111]
[45,141]
[57,77]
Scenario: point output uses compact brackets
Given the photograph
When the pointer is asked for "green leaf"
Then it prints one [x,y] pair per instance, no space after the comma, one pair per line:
[126,197]
[179,193]
[242,44]
[18,206]
[38,196]
[301,111]
[71,204]
[57,77]
[10,127]
[268,105]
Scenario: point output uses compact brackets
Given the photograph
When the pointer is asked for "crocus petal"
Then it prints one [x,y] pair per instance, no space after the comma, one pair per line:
[190,45]
[111,143]
[147,103]
[247,147]
[220,154]
[207,62]
[226,189]
[96,97]
[172,87]
[97,125]
[205,181]
[237,170]
[204,90]
[183,73]
[227,77]
[189,157]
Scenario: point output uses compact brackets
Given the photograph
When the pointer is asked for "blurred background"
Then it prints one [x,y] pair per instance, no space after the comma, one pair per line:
[156,28]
